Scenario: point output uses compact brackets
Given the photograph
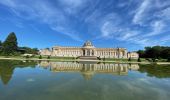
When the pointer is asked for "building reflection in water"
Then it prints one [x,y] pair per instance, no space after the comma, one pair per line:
[89,69]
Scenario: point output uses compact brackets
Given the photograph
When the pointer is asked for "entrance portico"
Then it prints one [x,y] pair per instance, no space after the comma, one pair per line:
[88,52]
[88,49]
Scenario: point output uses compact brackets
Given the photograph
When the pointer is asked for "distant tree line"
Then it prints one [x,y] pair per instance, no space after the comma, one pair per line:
[10,47]
[156,52]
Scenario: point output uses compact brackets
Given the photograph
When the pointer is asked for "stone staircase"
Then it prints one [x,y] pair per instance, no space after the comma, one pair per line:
[88,58]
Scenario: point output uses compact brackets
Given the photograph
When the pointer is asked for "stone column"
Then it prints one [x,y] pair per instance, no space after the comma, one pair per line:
[116,54]
[120,54]
[85,52]
[90,52]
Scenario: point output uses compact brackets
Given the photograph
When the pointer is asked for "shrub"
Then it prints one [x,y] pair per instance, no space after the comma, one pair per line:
[139,60]
[40,57]
[16,54]
[154,59]
[104,58]
[27,56]
[99,58]
[48,57]
[129,59]
[168,60]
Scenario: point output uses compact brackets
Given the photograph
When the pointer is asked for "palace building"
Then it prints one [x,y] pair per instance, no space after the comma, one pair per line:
[88,50]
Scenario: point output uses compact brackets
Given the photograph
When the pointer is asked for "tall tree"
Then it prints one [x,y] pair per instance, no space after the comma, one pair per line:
[10,45]
[0,43]
[0,47]
[141,53]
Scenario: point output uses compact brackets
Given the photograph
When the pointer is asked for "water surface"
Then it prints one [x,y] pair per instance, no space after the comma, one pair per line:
[30,80]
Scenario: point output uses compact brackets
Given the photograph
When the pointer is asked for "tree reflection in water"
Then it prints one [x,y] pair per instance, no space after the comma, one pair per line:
[159,71]
[7,68]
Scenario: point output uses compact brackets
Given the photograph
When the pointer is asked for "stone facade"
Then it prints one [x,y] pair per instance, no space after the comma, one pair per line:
[86,50]
[45,52]
[133,55]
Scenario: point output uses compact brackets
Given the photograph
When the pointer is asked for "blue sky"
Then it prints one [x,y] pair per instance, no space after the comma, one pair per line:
[131,24]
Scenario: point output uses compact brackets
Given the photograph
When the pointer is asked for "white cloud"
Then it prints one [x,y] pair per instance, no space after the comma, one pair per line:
[95,15]
[74,35]
[164,14]
[157,28]
[72,3]
[72,6]
[164,39]
[128,35]
[110,25]
[149,19]
[140,13]
[161,4]
[153,18]
[149,25]
[9,3]
[112,28]
[109,29]
[44,12]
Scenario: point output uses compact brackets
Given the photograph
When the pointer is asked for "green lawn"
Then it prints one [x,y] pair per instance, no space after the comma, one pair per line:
[73,58]
[119,59]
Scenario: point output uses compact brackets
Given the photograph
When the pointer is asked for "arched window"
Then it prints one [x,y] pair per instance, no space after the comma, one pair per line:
[84,52]
[88,52]
[93,52]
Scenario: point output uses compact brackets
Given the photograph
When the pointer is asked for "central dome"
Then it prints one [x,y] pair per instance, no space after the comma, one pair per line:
[88,44]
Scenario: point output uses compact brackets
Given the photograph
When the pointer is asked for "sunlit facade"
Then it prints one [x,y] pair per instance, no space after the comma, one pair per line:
[87,50]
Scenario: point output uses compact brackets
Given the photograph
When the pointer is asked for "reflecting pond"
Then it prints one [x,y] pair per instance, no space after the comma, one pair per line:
[35,80]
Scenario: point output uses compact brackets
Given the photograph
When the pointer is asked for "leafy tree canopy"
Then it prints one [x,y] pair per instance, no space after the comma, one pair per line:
[29,50]
[155,52]
[10,45]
